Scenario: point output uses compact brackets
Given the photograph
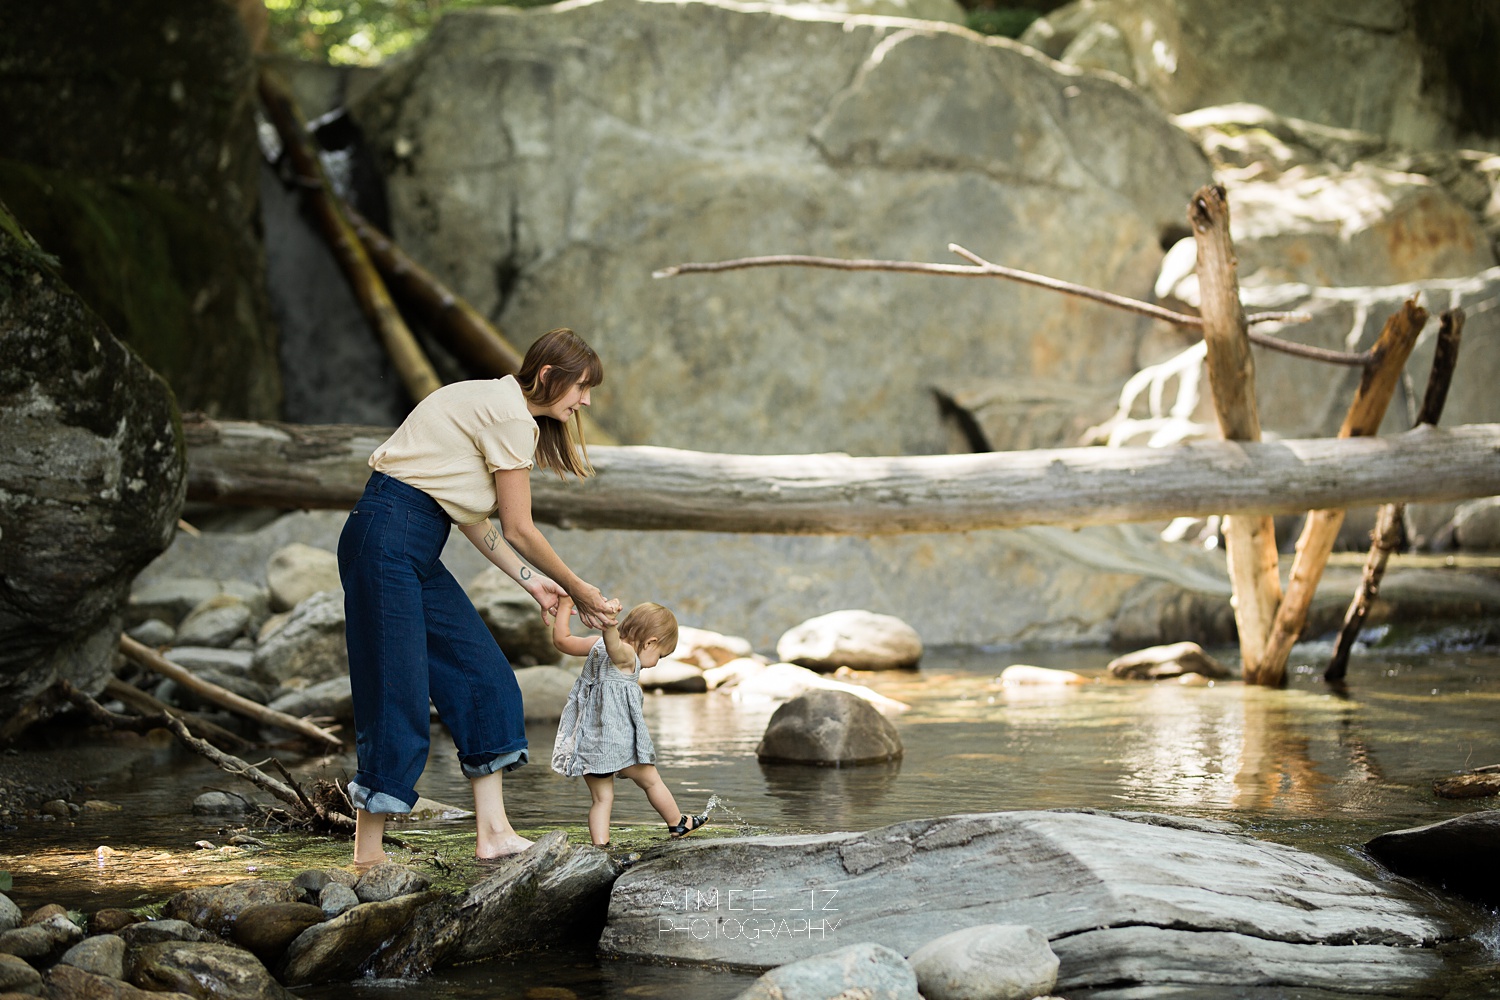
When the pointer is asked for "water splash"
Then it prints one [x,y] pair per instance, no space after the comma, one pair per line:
[716,801]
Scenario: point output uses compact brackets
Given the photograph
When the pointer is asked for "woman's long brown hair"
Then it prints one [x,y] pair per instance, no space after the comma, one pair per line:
[572,361]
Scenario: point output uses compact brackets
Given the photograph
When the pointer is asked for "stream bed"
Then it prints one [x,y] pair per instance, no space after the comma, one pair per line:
[1305,766]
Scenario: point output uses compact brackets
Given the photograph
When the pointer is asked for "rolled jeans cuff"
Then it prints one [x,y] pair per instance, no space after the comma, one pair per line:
[480,764]
[375,802]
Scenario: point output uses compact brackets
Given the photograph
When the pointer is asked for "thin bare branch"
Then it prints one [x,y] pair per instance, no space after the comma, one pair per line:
[981,268]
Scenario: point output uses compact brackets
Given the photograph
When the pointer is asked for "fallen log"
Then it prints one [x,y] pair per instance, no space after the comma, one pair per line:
[1321,528]
[133,697]
[290,466]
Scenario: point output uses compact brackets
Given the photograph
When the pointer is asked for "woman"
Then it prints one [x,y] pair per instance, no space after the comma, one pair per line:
[461,455]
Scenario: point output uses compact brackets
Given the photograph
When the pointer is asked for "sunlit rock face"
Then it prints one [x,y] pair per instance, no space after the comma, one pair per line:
[545,162]
[1347,63]
[91,481]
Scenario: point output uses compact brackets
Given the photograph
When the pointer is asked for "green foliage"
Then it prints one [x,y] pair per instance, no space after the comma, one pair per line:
[1007,22]
[361,32]
[5,881]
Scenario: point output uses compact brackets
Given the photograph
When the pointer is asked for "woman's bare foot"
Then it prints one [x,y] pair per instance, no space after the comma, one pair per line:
[500,846]
[364,863]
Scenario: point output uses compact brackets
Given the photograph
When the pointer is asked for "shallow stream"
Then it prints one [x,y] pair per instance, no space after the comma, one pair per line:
[1303,766]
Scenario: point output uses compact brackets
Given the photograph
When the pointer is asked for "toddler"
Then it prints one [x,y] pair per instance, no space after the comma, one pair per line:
[603,730]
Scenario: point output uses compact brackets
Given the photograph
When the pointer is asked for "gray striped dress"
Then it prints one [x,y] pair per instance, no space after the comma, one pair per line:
[603,728]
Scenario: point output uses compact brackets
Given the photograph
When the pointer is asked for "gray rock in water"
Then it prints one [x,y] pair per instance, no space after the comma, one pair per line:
[1456,853]
[218,804]
[10,913]
[388,880]
[673,676]
[203,969]
[265,929]
[860,640]
[157,931]
[1173,660]
[499,916]
[866,970]
[214,908]
[331,699]
[310,645]
[988,962]
[335,898]
[1119,901]
[17,976]
[153,632]
[215,623]
[513,618]
[827,727]
[89,451]
[339,947]
[102,954]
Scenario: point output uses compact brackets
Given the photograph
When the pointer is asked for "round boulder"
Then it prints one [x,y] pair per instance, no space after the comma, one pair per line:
[1476,525]
[215,623]
[988,962]
[829,728]
[544,692]
[513,618]
[311,645]
[861,640]
[92,478]
[1174,660]
[295,572]
[867,971]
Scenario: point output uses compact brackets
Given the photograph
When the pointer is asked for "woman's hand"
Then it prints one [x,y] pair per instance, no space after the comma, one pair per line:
[593,609]
[546,592]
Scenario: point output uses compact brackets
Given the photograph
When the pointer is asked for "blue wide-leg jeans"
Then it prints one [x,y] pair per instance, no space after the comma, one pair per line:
[413,635]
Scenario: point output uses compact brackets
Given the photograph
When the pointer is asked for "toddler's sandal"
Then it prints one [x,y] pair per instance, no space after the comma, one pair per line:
[686,825]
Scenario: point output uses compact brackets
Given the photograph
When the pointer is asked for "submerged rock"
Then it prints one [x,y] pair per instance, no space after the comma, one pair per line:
[988,962]
[831,728]
[866,971]
[1120,901]
[1456,854]
[861,640]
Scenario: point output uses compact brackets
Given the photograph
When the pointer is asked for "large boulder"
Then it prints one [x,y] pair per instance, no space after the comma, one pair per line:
[660,132]
[1363,64]
[829,728]
[1453,853]
[513,618]
[91,481]
[128,147]
[859,640]
[1120,901]
[203,970]
[311,645]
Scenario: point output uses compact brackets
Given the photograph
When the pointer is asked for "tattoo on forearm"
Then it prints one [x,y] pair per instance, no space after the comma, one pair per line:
[525,573]
[492,537]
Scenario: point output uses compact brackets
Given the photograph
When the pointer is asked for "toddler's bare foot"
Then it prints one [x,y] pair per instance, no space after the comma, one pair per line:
[488,848]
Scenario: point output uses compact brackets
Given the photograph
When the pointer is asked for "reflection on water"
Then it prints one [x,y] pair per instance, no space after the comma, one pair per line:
[1304,766]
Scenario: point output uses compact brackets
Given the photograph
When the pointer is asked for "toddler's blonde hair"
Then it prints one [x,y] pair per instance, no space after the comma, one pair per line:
[650,621]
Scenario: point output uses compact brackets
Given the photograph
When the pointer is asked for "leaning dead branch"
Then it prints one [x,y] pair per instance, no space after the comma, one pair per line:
[981,268]
[155,662]
[1388,522]
[133,697]
[1321,528]
[406,355]
[304,810]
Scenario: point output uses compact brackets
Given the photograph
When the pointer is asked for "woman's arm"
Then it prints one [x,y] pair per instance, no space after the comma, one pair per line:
[563,637]
[543,590]
[513,491]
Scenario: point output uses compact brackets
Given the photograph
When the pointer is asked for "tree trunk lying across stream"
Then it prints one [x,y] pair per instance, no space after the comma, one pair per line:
[287,465]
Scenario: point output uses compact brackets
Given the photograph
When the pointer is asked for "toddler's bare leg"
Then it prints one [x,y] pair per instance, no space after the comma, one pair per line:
[657,793]
[602,790]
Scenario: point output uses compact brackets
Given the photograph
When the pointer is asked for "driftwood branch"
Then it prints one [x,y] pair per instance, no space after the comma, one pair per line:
[155,662]
[253,464]
[982,268]
[1321,528]
[227,763]
[1388,521]
[406,355]
[1250,540]
[134,697]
